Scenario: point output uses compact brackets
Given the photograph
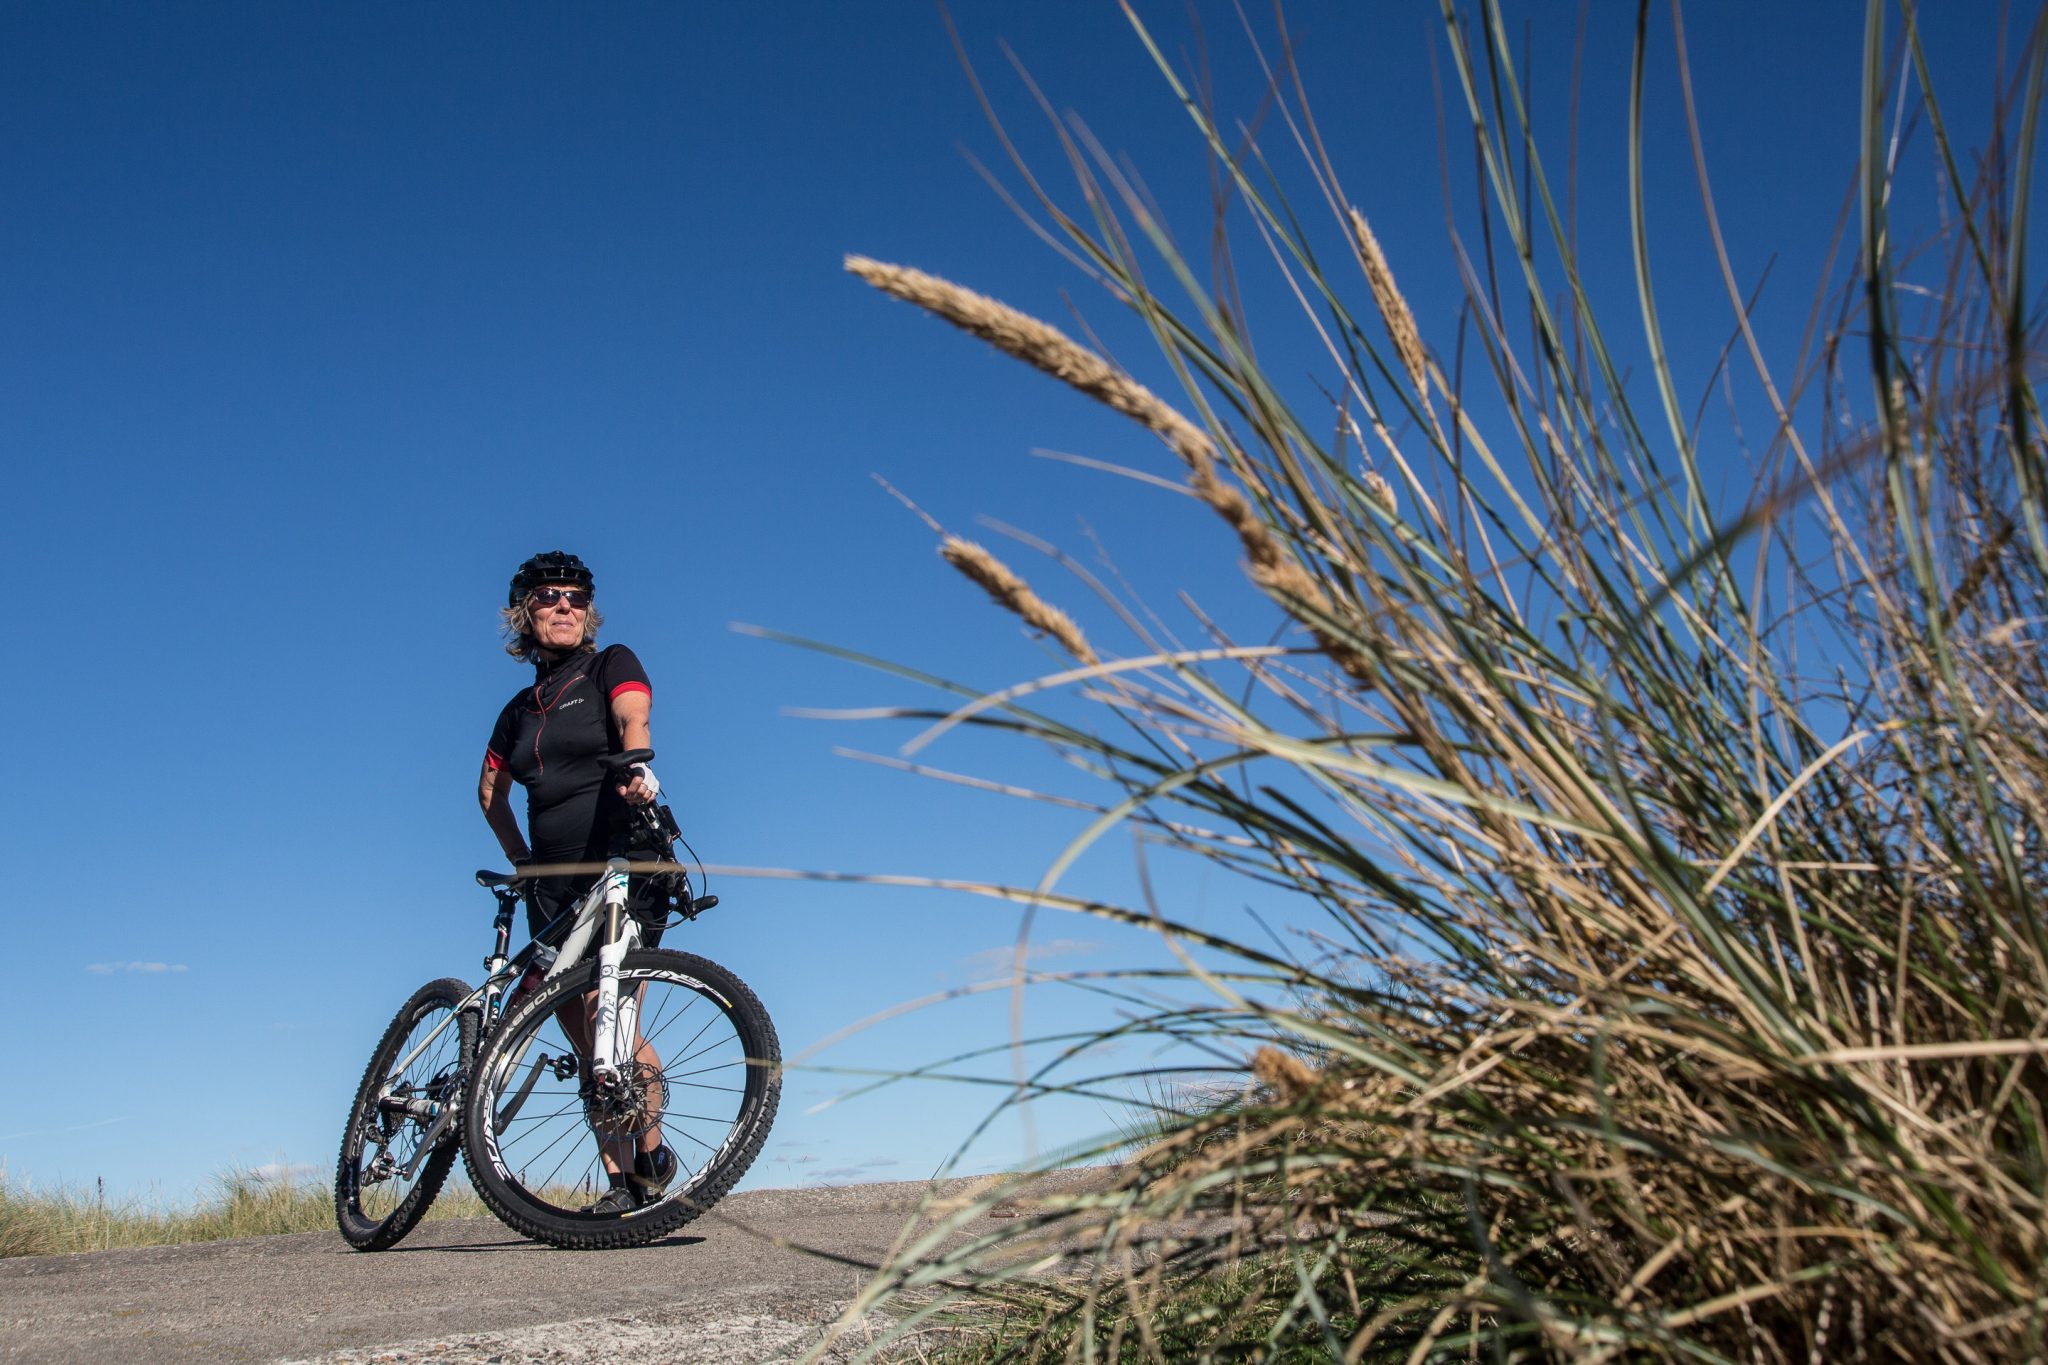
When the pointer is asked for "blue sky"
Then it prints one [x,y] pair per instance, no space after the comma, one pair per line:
[315,320]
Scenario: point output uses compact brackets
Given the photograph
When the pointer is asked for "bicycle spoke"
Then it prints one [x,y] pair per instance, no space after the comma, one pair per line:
[659,1018]
[709,1148]
[715,1019]
[706,1118]
[684,1014]
[572,1132]
[667,997]
[543,1118]
[567,1157]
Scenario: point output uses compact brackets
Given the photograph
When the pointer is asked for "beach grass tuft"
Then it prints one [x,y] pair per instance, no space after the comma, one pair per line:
[1669,978]
[59,1220]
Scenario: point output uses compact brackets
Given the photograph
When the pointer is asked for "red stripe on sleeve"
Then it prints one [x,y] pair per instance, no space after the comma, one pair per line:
[631,687]
[492,761]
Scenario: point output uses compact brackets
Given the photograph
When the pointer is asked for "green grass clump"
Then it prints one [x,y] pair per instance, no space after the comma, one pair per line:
[1670,874]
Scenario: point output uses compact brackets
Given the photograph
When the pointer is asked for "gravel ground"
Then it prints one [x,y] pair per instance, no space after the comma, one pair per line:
[715,1333]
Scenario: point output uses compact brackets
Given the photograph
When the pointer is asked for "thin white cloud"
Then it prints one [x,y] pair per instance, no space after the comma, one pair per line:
[148,968]
[73,1128]
[991,963]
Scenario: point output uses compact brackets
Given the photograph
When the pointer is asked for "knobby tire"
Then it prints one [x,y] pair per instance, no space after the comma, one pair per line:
[719,1080]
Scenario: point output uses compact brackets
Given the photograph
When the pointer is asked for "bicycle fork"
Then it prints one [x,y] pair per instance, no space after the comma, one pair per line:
[616,1024]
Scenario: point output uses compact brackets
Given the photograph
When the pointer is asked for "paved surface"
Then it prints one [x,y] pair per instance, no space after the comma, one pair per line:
[730,1287]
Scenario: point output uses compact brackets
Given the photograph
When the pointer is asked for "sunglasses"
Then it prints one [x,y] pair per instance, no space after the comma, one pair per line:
[577,599]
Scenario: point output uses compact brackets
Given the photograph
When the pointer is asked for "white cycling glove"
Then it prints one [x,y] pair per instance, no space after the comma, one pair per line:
[646,775]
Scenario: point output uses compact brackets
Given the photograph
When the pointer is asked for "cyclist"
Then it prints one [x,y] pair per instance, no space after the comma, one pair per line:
[584,703]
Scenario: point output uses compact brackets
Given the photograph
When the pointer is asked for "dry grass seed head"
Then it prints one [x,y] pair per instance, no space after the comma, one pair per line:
[1286,1075]
[1015,594]
[1046,348]
[1042,346]
[1380,491]
[1394,310]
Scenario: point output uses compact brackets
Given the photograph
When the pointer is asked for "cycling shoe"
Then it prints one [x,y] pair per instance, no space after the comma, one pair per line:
[620,1198]
[653,1171]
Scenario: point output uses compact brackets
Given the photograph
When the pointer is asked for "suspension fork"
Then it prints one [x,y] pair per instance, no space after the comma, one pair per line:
[617,1019]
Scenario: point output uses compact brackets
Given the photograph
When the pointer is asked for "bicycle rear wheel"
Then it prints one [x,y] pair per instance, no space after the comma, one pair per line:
[706,1076]
[384,1179]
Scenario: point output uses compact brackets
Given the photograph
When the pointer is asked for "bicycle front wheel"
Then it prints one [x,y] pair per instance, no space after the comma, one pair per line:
[388,1174]
[700,1074]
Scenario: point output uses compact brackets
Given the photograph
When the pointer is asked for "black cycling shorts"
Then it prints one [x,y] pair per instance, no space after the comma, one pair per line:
[551,896]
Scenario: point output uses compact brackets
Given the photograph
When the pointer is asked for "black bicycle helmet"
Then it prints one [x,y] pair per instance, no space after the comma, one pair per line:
[554,566]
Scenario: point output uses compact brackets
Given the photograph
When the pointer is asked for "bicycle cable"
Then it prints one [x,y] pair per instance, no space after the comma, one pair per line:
[703,875]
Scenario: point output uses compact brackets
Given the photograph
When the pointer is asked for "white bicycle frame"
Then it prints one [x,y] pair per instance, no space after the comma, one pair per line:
[617,1021]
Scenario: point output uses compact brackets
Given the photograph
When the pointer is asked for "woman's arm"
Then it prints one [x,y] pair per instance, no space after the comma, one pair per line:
[494,794]
[630,710]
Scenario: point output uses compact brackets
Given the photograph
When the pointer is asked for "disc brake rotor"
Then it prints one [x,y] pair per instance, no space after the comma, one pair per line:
[629,1107]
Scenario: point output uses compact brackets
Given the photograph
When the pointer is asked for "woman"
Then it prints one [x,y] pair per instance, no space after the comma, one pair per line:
[584,703]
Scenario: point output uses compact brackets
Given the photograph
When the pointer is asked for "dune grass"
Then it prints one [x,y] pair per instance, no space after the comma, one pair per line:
[1672,981]
[54,1221]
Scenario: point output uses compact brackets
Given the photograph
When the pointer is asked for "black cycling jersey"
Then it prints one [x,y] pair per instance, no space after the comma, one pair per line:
[550,736]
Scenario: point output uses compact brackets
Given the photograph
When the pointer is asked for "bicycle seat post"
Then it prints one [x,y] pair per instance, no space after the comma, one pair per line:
[494,961]
[502,923]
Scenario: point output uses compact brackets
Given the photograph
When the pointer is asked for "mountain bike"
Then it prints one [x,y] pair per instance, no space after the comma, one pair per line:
[574,1049]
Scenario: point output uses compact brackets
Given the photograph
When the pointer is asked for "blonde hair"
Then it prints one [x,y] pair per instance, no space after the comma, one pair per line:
[517,627]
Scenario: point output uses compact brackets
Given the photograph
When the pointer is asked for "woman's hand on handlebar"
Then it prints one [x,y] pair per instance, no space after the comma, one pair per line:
[643,787]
